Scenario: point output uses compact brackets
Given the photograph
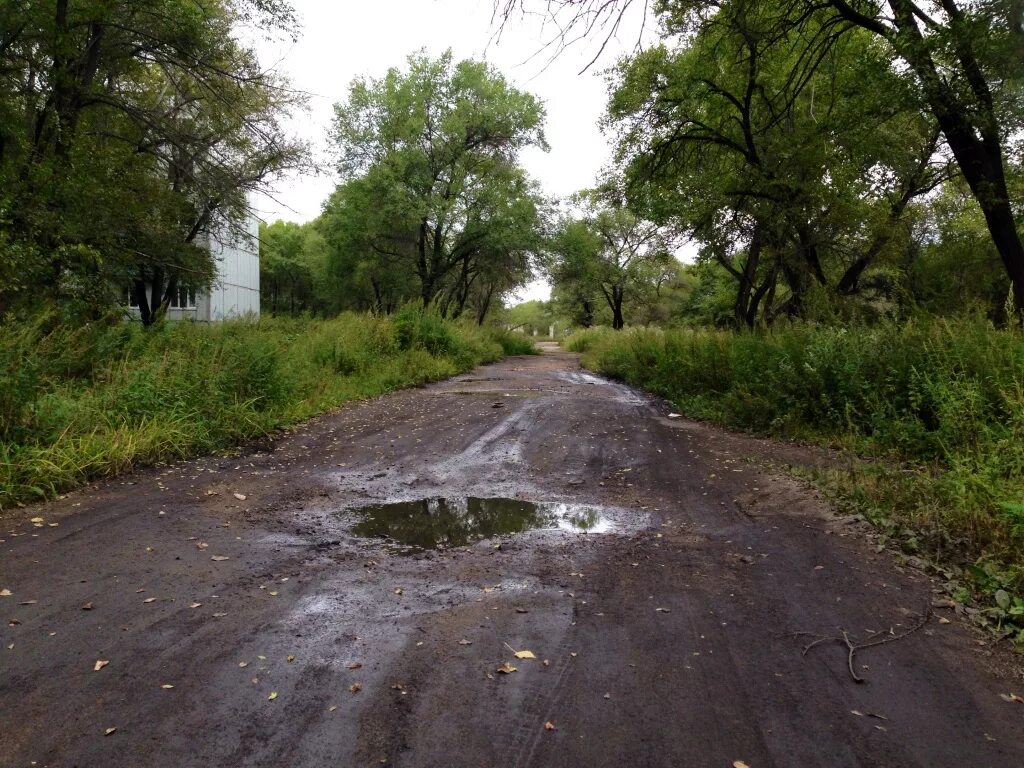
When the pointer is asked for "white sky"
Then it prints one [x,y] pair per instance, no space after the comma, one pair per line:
[342,39]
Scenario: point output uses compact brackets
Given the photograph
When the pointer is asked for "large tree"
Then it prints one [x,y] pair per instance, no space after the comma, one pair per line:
[431,176]
[606,250]
[128,130]
[778,179]
[966,58]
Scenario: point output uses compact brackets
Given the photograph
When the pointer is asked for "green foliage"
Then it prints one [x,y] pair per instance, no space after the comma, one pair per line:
[945,395]
[87,402]
[128,130]
[434,203]
[607,255]
[292,268]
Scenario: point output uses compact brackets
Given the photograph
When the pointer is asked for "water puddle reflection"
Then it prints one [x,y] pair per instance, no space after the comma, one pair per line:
[442,523]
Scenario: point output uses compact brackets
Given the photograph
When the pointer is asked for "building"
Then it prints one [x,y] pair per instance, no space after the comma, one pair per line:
[236,289]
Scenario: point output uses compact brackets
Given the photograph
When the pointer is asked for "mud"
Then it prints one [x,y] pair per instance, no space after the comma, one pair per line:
[669,639]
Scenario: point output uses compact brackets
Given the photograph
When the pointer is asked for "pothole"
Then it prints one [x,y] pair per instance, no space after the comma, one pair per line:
[443,523]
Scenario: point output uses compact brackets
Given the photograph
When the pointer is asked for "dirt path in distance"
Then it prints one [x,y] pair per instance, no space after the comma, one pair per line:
[244,624]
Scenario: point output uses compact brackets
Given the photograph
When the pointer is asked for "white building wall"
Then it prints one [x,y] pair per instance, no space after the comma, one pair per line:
[236,290]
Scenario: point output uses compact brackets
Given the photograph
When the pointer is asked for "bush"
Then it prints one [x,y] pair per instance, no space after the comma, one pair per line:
[944,395]
[87,402]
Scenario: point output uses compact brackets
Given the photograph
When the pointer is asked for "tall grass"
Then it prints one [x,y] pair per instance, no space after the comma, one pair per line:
[86,402]
[941,402]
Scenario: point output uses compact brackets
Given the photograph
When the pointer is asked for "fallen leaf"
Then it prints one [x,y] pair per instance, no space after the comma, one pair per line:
[220,558]
[36,520]
[243,664]
[354,665]
[525,655]
[149,600]
[109,731]
[239,496]
[663,610]
[521,610]
[272,696]
[28,602]
[196,605]
[507,669]
[740,764]
[219,615]
[291,659]
[1011,697]
[202,545]
[273,594]
[5,593]
[398,590]
[549,726]
[167,687]
[355,687]
[331,709]
[944,620]
[87,607]
[100,664]
[465,642]
[855,712]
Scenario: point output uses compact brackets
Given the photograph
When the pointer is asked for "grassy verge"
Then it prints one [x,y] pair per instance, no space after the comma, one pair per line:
[938,407]
[83,403]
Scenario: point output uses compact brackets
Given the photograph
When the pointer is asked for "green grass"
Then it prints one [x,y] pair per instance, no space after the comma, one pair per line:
[936,405]
[82,403]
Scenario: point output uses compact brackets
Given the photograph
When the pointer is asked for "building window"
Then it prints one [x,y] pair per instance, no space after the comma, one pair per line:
[184,298]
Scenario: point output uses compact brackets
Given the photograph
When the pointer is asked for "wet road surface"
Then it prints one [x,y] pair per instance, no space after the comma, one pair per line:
[244,624]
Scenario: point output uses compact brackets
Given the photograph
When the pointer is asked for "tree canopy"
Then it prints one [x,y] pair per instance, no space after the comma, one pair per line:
[128,129]
[432,186]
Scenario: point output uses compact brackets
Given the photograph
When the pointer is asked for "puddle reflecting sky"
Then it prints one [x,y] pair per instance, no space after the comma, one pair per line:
[441,523]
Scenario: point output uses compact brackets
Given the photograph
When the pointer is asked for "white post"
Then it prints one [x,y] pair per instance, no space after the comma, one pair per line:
[551,332]
[534,331]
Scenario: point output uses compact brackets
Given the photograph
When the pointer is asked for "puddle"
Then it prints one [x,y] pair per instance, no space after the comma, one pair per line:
[442,523]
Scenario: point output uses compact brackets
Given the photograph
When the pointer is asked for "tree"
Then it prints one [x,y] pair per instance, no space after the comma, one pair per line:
[128,130]
[292,267]
[778,179]
[966,59]
[431,180]
[611,251]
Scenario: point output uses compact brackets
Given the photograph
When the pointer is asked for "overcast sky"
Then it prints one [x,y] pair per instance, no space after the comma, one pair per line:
[342,40]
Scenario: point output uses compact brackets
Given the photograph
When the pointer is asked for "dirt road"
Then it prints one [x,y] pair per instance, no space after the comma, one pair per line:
[661,591]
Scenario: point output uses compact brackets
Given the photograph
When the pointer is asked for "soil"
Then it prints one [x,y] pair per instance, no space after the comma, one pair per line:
[673,638]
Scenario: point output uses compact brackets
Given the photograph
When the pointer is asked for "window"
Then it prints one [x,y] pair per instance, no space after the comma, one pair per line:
[184,298]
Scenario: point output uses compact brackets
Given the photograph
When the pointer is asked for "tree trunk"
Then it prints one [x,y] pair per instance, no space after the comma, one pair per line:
[618,322]
[587,318]
[972,133]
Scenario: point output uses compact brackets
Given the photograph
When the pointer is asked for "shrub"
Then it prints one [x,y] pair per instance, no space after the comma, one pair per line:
[85,402]
[945,395]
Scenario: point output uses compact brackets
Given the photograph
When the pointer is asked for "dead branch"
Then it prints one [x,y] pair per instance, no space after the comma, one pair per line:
[852,647]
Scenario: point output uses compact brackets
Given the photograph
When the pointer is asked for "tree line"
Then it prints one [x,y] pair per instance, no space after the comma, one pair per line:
[841,157]
[822,159]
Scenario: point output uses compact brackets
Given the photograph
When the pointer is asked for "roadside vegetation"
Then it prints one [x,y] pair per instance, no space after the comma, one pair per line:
[87,402]
[930,412]
[811,227]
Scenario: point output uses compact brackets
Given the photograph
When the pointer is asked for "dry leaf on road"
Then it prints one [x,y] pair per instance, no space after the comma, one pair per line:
[100,664]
